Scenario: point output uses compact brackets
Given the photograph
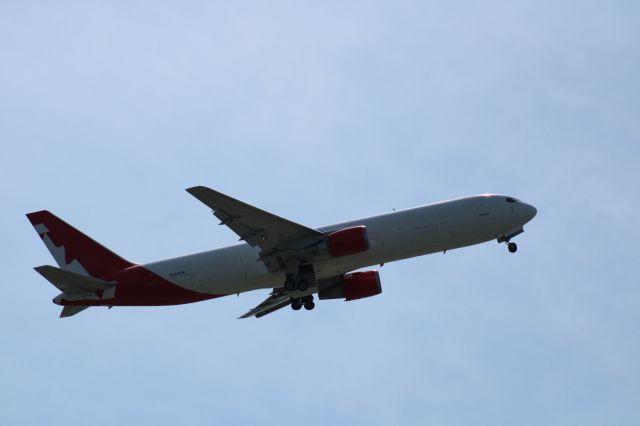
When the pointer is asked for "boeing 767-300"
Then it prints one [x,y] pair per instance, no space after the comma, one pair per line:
[295,261]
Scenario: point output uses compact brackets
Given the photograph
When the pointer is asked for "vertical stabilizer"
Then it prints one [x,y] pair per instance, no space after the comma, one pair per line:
[73,250]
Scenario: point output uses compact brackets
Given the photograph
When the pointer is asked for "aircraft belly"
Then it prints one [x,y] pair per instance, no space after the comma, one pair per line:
[226,279]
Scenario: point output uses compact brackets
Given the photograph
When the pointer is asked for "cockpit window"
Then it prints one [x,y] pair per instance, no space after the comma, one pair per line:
[511,200]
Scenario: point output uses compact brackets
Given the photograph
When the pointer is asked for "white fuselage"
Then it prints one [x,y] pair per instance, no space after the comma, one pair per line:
[393,236]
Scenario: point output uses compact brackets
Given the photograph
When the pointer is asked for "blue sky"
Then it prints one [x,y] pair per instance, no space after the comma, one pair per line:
[320,113]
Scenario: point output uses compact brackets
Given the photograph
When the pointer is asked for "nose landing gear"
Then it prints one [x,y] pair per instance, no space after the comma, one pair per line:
[506,238]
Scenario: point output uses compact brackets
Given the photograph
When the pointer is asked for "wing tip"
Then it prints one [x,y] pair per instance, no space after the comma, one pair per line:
[43,269]
[196,188]
[69,311]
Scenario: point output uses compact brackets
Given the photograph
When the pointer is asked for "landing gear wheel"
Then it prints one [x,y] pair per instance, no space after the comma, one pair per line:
[303,285]
[296,305]
[309,305]
[513,247]
[290,284]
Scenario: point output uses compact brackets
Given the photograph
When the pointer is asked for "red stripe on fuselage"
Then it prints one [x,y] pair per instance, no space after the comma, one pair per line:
[138,286]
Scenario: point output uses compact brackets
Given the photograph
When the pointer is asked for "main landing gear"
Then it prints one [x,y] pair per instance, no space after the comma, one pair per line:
[512,247]
[299,278]
[306,301]
[290,284]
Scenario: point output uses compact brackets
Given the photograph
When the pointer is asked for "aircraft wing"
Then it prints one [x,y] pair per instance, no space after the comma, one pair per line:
[279,298]
[256,227]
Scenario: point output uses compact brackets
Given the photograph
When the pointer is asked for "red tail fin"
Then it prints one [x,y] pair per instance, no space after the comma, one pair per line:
[73,250]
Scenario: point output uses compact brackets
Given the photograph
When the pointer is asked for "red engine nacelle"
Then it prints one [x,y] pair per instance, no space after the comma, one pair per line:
[354,286]
[348,241]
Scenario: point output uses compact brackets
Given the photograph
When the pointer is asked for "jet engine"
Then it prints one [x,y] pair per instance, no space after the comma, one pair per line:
[354,286]
[347,241]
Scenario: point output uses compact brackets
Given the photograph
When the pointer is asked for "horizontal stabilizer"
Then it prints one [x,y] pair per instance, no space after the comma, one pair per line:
[70,282]
[68,311]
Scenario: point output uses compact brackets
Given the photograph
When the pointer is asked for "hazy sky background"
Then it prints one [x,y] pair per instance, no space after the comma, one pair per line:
[323,112]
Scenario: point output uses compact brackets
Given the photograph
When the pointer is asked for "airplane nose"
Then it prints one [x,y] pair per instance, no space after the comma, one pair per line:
[530,212]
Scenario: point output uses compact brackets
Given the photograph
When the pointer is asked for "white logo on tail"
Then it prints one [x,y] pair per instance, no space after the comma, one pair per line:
[58,253]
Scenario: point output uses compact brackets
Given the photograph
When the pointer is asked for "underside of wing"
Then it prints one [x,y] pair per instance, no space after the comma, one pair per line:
[257,227]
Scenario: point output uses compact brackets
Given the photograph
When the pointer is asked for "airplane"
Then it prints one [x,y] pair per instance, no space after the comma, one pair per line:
[294,261]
